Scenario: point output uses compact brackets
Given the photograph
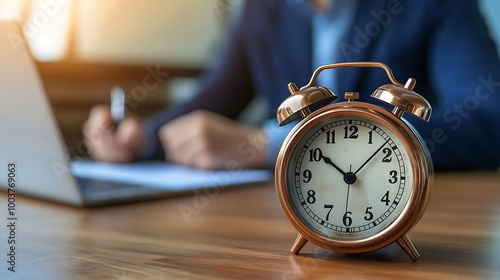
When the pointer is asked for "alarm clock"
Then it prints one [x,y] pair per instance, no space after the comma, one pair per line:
[352,176]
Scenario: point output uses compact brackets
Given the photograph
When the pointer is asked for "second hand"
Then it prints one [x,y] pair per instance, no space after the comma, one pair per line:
[348,188]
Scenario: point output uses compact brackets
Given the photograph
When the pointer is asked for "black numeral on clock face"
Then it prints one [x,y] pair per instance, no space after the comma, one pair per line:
[370,137]
[368,214]
[353,132]
[330,137]
[387,155]
[307,176]
[394,177]
[328,206]
[385,199]
[315,154]
[347,220]
[311,197]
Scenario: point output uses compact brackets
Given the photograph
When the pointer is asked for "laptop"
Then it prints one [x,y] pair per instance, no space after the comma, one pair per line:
[31,141]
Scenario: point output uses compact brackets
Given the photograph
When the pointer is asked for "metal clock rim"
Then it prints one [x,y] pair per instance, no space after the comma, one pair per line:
[418,199]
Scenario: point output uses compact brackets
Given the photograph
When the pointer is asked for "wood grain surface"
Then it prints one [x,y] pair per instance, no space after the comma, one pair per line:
[242,234]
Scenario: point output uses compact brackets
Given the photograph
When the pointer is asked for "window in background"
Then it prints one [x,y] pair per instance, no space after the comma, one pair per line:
[46,25]
[176,33]
[47,28]
[171,33]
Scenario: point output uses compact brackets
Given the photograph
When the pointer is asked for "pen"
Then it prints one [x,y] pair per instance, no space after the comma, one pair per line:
[117,105]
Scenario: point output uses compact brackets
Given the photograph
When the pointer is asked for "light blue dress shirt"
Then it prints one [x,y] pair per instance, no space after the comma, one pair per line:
[328,28]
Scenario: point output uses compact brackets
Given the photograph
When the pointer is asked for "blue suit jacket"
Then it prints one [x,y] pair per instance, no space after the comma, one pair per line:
[443,44]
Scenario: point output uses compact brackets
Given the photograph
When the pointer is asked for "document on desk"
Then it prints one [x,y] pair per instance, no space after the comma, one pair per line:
[165,175]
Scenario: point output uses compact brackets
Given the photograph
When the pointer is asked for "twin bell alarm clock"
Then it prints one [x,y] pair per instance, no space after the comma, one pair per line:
[352,176]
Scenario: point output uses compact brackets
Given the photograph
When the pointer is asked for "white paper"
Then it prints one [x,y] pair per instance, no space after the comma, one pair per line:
[166,176]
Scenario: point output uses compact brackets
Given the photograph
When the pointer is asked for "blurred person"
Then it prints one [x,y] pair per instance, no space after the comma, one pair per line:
[444,45]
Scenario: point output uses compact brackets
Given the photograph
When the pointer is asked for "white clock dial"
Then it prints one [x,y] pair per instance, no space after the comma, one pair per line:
[349,177]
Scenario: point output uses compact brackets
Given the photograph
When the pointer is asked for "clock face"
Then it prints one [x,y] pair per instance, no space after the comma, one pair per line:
[349,177]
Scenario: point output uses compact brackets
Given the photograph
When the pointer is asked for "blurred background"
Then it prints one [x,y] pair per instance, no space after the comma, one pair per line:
[83,48]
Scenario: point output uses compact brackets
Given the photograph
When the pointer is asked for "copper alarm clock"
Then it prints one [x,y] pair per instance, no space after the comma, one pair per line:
[352,176]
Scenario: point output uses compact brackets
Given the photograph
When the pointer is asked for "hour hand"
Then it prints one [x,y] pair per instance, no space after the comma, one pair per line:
[329,161]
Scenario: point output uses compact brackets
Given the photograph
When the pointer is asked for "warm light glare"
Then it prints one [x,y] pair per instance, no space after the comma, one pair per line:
[12,9]
[47,28]
[173,32]
[46,25]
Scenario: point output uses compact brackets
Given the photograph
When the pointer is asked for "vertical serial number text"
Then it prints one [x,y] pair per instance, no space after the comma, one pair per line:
[11,216]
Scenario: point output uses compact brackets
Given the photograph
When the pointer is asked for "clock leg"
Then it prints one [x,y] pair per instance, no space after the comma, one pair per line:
[298,244]
[406,244]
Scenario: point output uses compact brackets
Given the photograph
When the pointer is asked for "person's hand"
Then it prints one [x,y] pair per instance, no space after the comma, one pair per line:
[106,142]
[209,141]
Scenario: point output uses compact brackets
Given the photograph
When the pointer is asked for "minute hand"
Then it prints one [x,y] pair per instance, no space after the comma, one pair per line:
[370,158]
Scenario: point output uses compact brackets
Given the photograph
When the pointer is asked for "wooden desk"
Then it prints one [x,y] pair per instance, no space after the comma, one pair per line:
[242,234]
